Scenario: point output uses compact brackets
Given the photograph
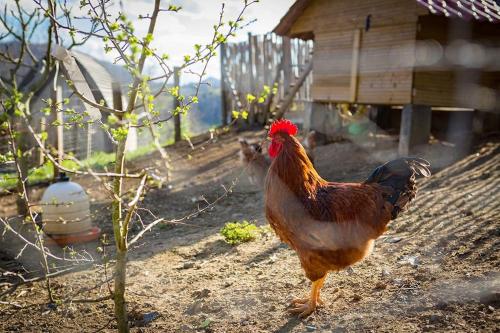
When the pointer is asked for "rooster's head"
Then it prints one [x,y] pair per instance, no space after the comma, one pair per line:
[278,132]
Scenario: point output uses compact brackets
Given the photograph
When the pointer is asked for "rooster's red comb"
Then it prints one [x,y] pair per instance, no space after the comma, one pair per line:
[283,125]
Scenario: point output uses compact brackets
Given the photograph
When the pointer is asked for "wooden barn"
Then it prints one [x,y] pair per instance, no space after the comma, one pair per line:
[418,56]
[81,141]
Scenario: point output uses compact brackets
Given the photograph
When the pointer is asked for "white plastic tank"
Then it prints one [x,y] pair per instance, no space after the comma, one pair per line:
[66,208]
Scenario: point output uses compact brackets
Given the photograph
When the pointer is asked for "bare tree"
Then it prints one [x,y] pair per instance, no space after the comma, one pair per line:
[26,44]
[117,34]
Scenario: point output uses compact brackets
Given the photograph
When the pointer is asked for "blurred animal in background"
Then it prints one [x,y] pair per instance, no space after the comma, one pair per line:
[255,163]
[330,225]
[310,144]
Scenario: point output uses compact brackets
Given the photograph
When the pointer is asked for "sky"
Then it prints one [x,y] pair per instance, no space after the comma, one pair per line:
[176,33]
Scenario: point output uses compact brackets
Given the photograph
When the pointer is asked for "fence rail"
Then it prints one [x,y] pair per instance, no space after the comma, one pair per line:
[263,60]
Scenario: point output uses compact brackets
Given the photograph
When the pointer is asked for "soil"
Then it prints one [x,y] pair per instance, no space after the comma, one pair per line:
[436,269]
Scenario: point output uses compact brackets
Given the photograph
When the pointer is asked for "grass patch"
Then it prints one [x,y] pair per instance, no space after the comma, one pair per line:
[237,232]
[36,175]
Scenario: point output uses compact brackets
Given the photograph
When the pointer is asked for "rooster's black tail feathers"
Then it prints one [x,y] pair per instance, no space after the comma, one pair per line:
[399,175]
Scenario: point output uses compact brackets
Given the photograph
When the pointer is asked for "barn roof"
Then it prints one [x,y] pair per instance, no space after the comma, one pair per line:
[290,17]
[99,77]
[98,74]
[483,10]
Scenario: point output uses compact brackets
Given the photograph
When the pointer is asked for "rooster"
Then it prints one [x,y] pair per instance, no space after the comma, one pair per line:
[254,161]
[330,225]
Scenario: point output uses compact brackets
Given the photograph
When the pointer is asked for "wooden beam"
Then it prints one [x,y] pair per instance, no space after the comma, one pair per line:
[287,101]
[56,135]
[251,79]
[287,62]
[415,127]
[223,89]
[267,108]
[73,72]
[355,65]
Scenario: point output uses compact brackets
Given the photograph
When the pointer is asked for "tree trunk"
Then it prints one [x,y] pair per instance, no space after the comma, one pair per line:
[119,291]
[120,241]
[22,147]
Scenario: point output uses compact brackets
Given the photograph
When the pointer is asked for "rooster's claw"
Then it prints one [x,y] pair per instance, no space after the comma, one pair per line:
[304,309]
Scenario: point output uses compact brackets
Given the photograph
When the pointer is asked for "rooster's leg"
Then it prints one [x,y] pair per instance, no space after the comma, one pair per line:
[300,301]
[306,306]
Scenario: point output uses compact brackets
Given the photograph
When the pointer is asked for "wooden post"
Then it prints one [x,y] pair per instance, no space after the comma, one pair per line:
[287,101]
[355,65]
[177,116]
[223,89]
[267,69]
[258,77]
[251,80]
[57,132]
[287,64]
[415,127]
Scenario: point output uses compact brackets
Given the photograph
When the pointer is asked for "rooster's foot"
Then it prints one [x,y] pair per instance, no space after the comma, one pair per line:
[302,301]
[303,309]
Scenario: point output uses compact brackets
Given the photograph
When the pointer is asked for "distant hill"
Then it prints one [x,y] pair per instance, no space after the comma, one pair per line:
[203,116]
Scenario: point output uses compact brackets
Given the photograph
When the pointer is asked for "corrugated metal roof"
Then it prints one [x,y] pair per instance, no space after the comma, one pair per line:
[102,79]
[482,10]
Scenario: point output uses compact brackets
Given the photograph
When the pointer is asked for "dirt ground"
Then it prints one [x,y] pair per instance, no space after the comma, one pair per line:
[437,268]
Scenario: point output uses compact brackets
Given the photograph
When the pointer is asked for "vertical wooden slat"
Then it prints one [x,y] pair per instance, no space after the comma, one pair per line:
[261,60]
[258,74]
[251,80]
[267,60]
[355,65]
[177,116]
[223,78]
[299,50]
[287,62]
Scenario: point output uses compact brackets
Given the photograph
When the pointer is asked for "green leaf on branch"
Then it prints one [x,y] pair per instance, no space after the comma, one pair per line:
[149,38]
[120,133]
[174,91]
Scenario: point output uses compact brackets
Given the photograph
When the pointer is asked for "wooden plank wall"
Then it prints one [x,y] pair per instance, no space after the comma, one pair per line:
[251,64]
[386,52]
[444,83]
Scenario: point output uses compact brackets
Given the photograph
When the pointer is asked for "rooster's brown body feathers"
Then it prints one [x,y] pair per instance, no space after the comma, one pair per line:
[333,225]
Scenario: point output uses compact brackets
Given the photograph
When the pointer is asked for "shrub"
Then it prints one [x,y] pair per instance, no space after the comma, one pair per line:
[239,232]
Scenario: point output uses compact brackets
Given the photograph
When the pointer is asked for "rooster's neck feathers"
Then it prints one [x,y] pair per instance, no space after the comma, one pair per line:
[295,169]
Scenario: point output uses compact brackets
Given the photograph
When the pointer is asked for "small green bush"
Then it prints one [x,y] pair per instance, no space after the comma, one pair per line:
[239,232]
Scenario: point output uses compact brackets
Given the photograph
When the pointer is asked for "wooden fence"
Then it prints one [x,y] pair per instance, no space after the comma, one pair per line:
[264,60]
